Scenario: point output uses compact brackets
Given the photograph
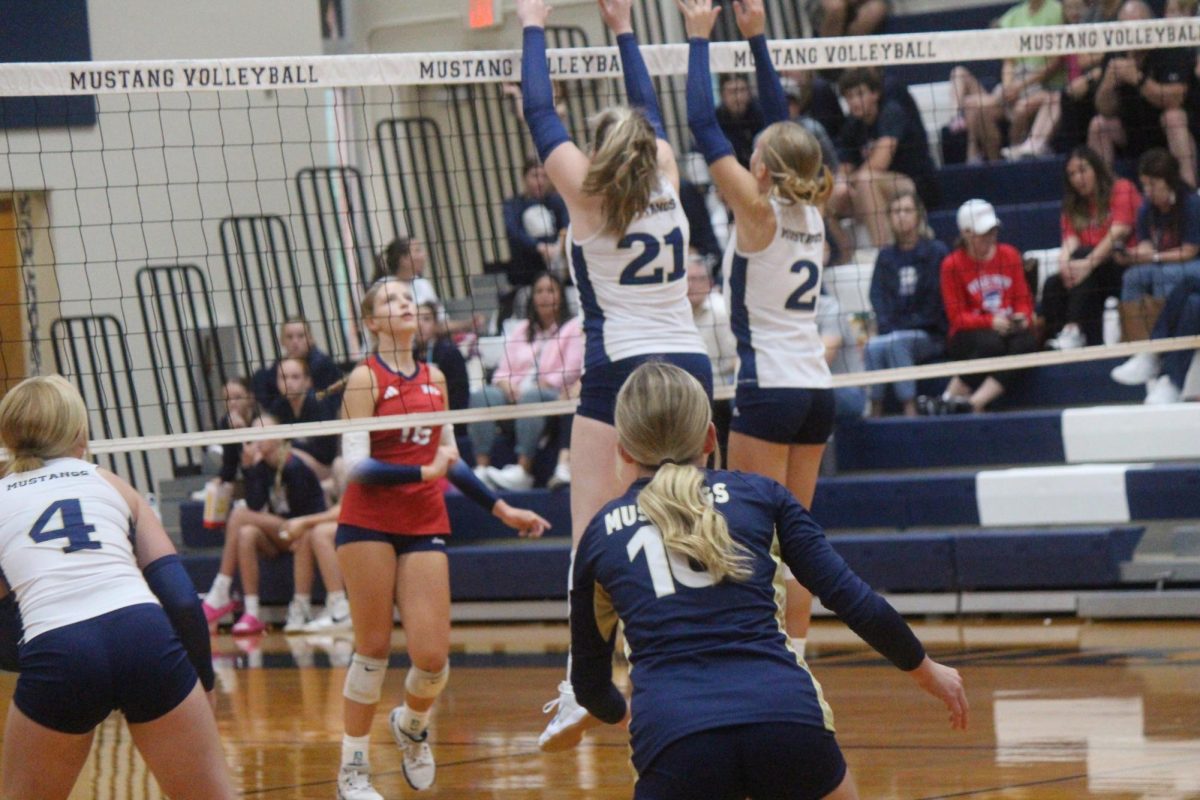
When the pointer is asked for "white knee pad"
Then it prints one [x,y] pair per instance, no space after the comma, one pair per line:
[364,679]
[429,685]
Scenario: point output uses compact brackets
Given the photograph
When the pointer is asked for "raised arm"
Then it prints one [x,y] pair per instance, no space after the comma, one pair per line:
[737,185]
[752,22]
[565,163]
[618,16]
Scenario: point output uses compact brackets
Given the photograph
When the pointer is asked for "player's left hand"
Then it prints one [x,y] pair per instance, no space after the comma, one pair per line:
[526,523]
[945,684]
[751,17]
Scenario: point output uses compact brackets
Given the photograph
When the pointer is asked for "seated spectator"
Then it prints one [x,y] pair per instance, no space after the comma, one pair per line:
[543,358]
[1141,101]
[278,486]
[240,409]
[312,537]
[298,402]
[989,307]
[1168,233]
[1164,374]
[406,258]
[847,17]
[1026,85]
[1098,215]
[810,95]
[739,116]
[295,336]
[842,354]
[535,222]
[906,295]
[711,315]
[883,150]
[1060,123]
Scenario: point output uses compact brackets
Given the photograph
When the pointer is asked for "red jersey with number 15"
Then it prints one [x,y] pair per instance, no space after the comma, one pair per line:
[408,509]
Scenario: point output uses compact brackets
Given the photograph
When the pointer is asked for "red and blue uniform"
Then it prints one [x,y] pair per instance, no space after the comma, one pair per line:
[406,509]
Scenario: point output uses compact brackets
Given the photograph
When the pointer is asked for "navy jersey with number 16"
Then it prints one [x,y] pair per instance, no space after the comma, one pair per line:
[705,655]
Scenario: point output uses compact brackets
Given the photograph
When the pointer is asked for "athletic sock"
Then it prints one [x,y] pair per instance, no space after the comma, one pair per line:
[355,750]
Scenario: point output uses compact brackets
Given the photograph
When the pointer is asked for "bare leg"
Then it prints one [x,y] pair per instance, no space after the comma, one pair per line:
[1105,135]
[253,541]
[958,388]
[423,596]
[1180,143]
[833,18]
[322,539]
[594,459]
[869,18]
[302,565]
[987,392]
[27,770]
[846,791]
[183,750]
[369,569]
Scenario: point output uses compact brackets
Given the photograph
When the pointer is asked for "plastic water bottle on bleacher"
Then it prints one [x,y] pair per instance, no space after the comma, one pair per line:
[1112,321]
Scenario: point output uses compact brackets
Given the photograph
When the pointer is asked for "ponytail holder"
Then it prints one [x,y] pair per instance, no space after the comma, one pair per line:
[668,461]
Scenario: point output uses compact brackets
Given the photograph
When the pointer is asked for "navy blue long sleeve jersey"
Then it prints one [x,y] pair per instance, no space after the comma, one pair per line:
[707,655]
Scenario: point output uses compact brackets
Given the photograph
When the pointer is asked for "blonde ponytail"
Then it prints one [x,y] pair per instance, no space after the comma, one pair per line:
[662,419]
[792,157]
[41,418]
[624,166]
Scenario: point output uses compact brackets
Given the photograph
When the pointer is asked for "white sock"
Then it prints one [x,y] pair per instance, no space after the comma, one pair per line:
[304,600]
[414,723]
[251,601]
[334,598]
[354,750]
[218,593]
[798,644]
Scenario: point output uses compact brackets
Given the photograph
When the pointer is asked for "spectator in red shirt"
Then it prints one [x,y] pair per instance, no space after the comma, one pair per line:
[989,307]
[1099,212]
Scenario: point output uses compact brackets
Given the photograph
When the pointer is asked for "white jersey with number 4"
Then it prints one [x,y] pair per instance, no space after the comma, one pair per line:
[772,297]
[66,546]
[633,287]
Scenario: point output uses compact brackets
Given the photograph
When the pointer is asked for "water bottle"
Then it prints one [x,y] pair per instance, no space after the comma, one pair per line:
[1112,321]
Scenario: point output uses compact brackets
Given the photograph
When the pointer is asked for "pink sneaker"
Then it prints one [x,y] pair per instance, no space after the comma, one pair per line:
[248,625]
[214,613]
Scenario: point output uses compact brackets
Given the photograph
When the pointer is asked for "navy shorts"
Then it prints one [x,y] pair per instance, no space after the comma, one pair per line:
[599,387]
[401,543]
[762,761]
[130,660]
[784,416]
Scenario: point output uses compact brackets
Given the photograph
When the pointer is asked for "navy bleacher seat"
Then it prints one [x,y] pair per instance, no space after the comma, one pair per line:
[1026,226]
[1073,559]
[1030,180]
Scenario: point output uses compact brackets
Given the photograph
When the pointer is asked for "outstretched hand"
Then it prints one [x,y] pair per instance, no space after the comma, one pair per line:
[526,523]
[699,17]
[532,13]
[945,684]
[751,17]
[617,15]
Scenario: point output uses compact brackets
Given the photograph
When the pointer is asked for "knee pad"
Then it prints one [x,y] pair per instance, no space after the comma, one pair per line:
[428,685]
[364,679]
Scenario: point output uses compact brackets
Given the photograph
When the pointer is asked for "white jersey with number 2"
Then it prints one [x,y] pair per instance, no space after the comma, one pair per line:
[772,297]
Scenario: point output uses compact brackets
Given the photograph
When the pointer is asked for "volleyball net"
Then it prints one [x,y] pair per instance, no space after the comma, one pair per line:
[169,218]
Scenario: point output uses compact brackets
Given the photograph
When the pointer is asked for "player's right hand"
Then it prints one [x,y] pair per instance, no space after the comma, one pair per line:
[532,13]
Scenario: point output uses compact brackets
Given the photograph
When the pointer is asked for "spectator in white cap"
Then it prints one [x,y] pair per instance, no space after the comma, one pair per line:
[989,308]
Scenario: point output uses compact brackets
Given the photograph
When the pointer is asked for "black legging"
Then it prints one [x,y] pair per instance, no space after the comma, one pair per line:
[987,343]
[1083,303]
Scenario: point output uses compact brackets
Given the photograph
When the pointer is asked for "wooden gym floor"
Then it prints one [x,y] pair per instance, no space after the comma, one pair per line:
[1060,709]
